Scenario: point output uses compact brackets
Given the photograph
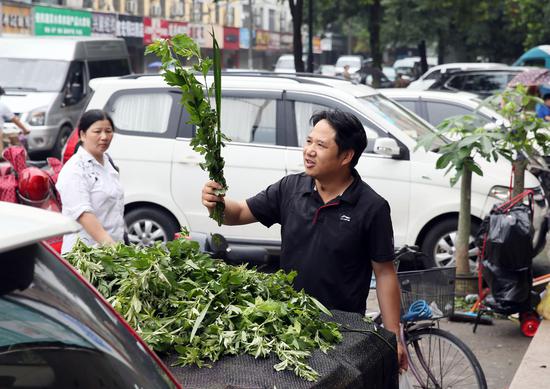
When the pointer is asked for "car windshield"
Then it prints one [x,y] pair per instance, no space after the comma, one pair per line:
[396,115]
[33,74]
[351,61]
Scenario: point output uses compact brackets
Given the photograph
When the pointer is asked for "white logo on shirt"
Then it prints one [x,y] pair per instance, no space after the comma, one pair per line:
[345,218]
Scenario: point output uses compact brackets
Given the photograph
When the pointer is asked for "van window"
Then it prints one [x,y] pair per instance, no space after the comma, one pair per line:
[74,88]
[249,120]
[409,104]
[304,111]
[108,68]
[433,75]
[393,114]
[437,111]
[142,112]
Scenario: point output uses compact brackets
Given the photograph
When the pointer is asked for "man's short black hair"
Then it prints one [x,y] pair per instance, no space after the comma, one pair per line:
[350,134]
[545,97]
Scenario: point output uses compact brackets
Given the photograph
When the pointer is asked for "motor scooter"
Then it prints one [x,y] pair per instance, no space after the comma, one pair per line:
[30,183]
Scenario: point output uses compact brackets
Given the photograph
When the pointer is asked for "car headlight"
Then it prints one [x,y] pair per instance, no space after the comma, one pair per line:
[501,193]
[37,118]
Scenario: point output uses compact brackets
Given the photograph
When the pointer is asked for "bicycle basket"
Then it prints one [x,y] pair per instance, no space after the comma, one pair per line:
[436,286]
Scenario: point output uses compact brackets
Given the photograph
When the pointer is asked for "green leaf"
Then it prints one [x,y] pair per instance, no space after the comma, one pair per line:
[321,307]
[217,78]
[444,160]
[198,321]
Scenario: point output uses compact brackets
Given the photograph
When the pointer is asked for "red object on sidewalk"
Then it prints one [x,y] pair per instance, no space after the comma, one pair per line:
[529,322]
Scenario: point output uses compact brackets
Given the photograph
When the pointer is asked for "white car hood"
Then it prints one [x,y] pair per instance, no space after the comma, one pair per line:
[23,102]
[22,225]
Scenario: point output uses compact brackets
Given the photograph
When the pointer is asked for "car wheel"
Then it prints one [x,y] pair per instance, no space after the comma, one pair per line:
[64,134]
[440,244]
[149,225]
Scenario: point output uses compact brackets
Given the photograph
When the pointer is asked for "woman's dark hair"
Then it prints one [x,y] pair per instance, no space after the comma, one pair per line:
[90,117]
[350,134]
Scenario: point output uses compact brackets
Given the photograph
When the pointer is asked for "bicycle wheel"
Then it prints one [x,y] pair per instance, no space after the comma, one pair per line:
[443,361]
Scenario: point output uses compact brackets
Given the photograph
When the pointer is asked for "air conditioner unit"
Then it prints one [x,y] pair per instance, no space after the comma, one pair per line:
[178,9]
[156,9]
[131,7]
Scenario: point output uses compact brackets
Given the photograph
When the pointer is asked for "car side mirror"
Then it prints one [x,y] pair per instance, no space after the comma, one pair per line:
[217,245]
[387,146]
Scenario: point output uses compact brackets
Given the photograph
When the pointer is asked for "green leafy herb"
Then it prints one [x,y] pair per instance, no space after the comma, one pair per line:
[180,300]
[208,139]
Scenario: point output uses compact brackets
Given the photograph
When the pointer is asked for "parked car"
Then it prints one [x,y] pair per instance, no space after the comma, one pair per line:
[483,83]
[433,74]
[537,56]
[354,61]
[285,63]
[162,179]
[409,67]
[46,82]
[366,75]
[327,70]
[56,331]
[436,106]
[390,72]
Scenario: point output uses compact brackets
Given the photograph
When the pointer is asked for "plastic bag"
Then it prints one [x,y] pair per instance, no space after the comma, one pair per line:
[510,289]
[543,308]
[510,238]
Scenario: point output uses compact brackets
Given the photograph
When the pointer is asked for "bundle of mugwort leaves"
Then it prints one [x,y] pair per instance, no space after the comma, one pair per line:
[180,300]
[208,139]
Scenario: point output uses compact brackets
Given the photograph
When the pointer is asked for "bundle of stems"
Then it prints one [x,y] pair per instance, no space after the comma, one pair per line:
[208,139]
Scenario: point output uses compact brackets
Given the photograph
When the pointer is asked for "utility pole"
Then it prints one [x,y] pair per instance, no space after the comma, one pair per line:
[310,38]
[250,27]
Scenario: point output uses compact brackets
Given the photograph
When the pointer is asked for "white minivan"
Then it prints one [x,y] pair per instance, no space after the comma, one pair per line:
[46,82]
[267,118]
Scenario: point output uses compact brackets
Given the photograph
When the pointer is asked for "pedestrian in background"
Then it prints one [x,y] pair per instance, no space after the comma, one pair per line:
[346,74]
[89,185]
[543,110]
[6,115]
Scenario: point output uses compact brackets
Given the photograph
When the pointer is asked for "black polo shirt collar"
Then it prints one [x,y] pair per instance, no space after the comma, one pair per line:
[350,195]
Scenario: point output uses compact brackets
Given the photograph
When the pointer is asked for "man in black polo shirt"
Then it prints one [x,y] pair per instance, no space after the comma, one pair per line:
[334,228]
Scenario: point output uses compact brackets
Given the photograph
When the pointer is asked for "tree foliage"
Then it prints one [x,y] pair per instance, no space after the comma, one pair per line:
[459,30]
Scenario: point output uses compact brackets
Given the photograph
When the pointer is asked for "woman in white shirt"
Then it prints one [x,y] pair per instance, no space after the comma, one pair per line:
[89,185]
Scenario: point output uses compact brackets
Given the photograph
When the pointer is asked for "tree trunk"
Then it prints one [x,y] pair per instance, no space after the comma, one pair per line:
[464,224]
[297,10]
[520,165]
[374,12]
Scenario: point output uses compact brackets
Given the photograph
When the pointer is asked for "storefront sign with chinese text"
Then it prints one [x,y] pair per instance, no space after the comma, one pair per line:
[61,21]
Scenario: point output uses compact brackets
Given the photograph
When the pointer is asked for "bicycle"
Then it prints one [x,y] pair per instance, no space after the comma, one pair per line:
[437,358]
